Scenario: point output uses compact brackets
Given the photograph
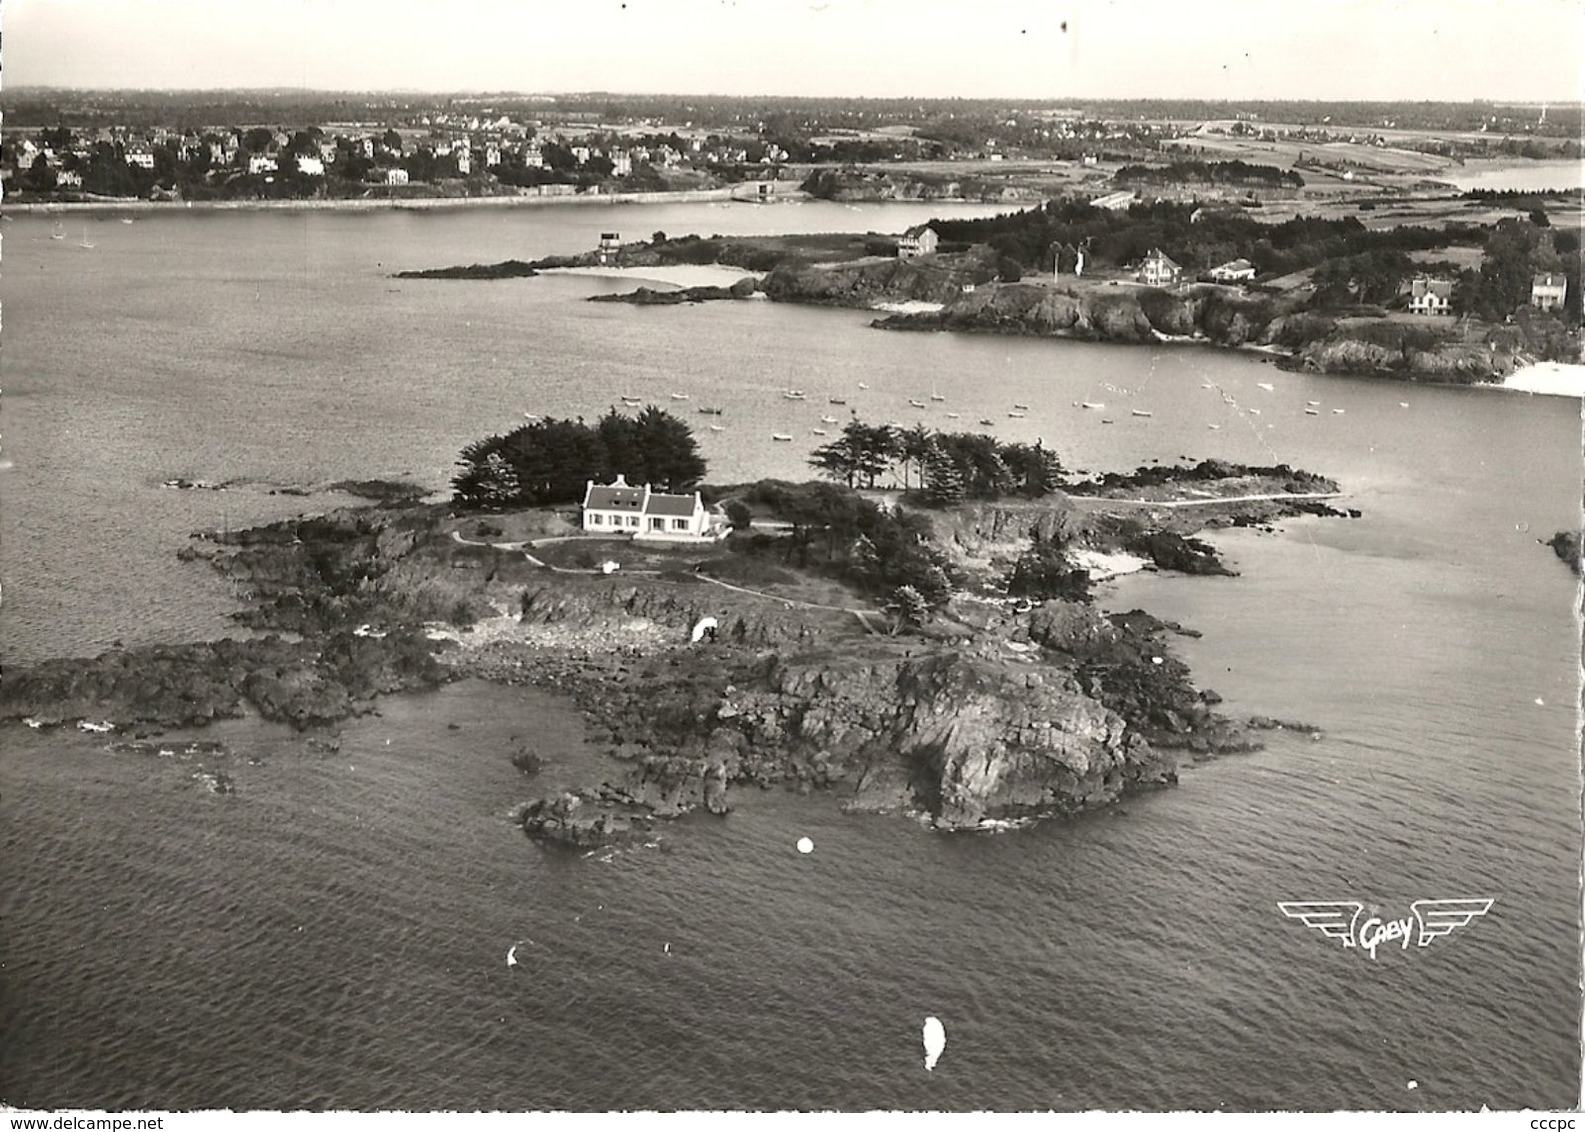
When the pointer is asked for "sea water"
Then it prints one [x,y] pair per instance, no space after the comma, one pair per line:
[335,933]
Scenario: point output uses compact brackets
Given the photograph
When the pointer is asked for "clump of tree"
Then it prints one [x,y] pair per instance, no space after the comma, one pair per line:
[836,531]
[945,467]
[551,461]
[1209,173]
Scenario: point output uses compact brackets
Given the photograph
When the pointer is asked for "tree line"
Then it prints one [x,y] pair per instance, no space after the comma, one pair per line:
[1209,173]
[945,467]
[551,461]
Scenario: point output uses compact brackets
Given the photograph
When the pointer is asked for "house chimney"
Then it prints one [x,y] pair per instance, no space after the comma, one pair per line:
[620,481]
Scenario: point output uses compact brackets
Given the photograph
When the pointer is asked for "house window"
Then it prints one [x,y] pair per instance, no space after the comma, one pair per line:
[679,524]
[632,520]
[657,524]
[596,520]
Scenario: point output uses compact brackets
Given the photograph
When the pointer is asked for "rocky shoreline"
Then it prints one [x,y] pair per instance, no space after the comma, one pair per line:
[996,712]
[864,272]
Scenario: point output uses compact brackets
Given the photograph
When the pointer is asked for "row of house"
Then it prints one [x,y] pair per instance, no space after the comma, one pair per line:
[1432,295]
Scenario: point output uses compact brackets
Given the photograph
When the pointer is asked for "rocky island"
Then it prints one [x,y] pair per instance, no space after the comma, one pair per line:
[1011,698]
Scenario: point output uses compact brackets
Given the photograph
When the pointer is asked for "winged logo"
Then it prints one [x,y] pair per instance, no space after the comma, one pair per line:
[1334,918]
[1340,920]
[1440,917]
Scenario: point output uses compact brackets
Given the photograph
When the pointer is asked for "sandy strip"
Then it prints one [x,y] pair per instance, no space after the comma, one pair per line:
[1102,566]
[678,275]
[916,306]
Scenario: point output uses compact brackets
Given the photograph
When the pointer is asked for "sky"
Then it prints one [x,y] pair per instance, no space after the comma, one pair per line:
[1519,50]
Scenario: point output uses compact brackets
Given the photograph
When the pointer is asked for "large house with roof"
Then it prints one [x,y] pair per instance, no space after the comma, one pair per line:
[651,516]
[1234,271]
[1547,291]
[1157,270]
[921,239]
[1428,295]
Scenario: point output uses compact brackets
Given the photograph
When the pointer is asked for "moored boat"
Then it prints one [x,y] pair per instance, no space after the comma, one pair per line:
[1139,412]
[781,436]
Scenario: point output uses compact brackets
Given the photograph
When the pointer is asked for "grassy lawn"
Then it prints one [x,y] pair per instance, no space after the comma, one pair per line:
[513,526]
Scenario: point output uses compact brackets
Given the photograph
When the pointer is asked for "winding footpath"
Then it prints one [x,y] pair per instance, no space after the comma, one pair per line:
[862,615]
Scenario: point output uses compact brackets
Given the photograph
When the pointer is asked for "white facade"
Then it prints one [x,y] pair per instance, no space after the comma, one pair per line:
[650,516]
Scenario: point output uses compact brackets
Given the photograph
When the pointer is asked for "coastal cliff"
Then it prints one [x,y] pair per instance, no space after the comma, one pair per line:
[1215,316]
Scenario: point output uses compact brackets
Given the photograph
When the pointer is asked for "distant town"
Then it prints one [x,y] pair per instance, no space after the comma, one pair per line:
[85,147]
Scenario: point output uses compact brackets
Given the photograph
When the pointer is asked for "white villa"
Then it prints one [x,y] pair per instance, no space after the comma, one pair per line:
[921,239]
[1428,295]
[651,516]
[1157,270]
[1548,291]
[1235,271]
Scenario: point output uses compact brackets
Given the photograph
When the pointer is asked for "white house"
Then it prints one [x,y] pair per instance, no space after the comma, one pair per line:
[652,516]
[921,239]
[262,163]
[396,176]
[1236,271]
[141,158]
[1548,291]
[68,179]
[1157,270]
[1431,296]
[464,161]
[311,166]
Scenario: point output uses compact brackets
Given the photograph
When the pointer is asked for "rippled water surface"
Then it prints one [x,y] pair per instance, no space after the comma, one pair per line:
[334,934]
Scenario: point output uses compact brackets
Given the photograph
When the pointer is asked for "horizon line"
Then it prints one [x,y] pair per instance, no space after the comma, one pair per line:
[24,88]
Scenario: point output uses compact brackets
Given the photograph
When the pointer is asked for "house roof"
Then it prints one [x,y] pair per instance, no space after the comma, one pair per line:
[682,506]
[918,230]
[1160,256]
[1549,279]
[618,495]
[614,498]
[1236,265]
[1441,288]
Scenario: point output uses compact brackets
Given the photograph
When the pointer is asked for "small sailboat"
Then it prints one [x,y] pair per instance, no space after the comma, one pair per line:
[818,431]
[679,396]
[1266,385]
[937,397]
[916,404]
[781,436]
[710,410]
[126,220]
[864,385]
[1016,405]
[532,417]
[1403,404]
[1107,420]
[1339,412]
[717,428]
[1312,403]
[986,421]
[793,394]
[837,400]
[1016,413]
[1213,426]
[952,416]
[828,420]
[1091,405]
[85,243]
[1140,412]
[631,402]
[1312,412]
[1254,412]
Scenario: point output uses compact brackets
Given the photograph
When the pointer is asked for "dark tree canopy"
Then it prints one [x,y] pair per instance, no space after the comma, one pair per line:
[551,461]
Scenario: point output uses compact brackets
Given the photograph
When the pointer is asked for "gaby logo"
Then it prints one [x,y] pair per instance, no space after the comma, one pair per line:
[1340,919]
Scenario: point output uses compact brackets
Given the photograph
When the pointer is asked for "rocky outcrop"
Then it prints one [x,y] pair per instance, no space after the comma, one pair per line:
[1566,544]
[301,683]
[648,297]
[867,282]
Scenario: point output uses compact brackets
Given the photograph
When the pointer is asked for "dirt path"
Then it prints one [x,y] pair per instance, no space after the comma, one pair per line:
[792,603]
